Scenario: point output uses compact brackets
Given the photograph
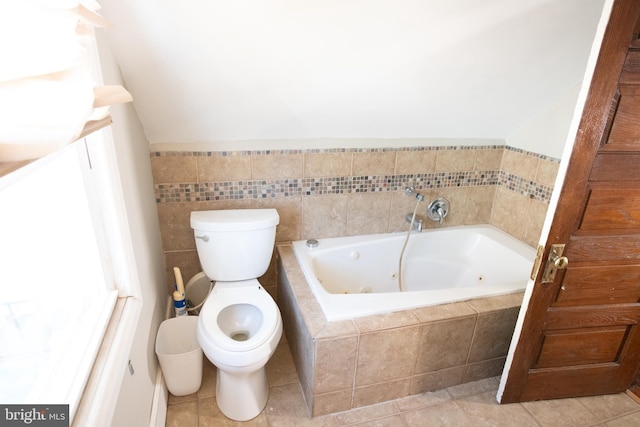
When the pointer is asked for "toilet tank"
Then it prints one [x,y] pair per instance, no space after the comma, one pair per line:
[235,244]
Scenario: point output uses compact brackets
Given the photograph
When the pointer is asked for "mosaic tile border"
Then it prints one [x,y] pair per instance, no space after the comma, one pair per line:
[262,189]
[295,187]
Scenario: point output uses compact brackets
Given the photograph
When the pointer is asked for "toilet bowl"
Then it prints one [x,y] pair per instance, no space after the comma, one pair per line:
[239,329]
[239,325]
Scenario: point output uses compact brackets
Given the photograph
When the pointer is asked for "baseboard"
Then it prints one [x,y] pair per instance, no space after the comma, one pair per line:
[160,401]
[161,392]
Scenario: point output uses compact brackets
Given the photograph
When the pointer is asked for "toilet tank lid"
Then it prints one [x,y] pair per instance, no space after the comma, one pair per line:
[234,219]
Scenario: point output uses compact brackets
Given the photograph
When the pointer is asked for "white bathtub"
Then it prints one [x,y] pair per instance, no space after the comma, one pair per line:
[358,276]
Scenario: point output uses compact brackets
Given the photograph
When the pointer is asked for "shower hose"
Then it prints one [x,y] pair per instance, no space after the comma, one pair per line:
[404,246]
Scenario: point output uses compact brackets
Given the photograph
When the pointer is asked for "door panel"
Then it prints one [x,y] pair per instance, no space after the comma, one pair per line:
[619,167]
[624,134]
[607,249]
[610,208]
[599,285]
[581,347]
[580,333]
[565,318]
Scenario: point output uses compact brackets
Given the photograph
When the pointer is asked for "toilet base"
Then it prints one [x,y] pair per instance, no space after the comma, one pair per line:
[242,396]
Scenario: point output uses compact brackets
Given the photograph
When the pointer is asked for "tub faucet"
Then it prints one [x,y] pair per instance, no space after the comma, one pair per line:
[417,222]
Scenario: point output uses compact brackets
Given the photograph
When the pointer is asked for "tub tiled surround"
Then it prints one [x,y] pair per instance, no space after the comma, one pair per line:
[353,363]
[337,192]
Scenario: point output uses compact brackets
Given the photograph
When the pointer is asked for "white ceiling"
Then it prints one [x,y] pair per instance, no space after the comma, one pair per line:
[227,70]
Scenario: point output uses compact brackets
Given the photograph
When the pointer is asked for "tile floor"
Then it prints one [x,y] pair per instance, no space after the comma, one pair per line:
[470,404]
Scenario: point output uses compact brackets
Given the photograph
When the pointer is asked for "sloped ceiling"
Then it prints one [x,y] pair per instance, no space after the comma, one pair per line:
[226,70]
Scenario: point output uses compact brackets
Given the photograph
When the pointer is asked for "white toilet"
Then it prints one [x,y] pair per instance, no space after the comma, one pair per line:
[240,324]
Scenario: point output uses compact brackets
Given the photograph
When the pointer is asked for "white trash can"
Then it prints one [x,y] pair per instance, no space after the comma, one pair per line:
[180,355]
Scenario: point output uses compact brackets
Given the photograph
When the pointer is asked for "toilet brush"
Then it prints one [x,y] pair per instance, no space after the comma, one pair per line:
[179,282]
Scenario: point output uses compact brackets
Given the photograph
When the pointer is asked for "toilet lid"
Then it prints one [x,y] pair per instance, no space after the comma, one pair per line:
[255,296]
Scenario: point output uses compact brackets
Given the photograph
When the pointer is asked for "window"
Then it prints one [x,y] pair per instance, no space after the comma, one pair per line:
[58,274]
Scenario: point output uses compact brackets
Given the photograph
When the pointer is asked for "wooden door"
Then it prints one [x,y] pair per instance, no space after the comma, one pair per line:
[580,334]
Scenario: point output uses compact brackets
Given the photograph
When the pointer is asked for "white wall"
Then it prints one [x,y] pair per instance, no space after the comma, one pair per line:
[221,71]
[546,132]
[136,393]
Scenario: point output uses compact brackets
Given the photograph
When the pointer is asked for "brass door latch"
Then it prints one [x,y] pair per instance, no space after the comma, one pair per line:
[555,262]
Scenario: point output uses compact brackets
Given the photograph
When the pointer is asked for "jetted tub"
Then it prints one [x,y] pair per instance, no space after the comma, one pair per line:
[358,276]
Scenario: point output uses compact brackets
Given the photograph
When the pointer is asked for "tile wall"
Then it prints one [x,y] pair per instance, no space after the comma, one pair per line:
[336,192]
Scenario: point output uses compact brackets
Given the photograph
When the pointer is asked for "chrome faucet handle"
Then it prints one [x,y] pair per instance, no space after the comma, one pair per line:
[438,209]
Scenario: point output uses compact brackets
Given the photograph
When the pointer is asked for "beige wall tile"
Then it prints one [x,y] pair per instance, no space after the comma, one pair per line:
[471,389]
[444,312]
[224,168]
[479,203]
[324,216]
[488,160]
[368,213]
[444,344]
[188,263]
[327,164]
[169,169]
[298,337]
[509,211]
[287,256]
[493,334]
[332,402]
[379,322]
[276,166]
[175,228]
[520,164]
[387,355]
[547,172]
[373,163]
[532,227]
[498,302]
[376,393]
[411,162]
[484,369]
[290,212]
[335,364]
[437,380]
[455,160]
[339,328]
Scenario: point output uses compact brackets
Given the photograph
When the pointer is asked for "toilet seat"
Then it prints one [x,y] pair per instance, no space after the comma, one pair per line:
[253,295]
